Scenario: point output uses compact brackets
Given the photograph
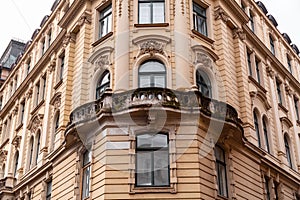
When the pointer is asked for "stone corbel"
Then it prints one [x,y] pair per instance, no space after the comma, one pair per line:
[221,14]
[29,93]
[85,18]
[52,65]
[69,37]
[270,71]
[288,89]
[16,141]
[3,155]
[239,33]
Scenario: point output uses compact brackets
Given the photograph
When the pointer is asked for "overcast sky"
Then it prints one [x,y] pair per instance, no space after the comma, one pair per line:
[19,18]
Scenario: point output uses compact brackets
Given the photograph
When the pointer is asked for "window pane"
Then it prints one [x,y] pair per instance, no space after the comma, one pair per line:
[222,184]
[158,12]
[219,153]
[86,183]
[144,13]
[143,171]
[144,81]
[86,158]
[152,66]
[159,81]
[161,169]
[149,140]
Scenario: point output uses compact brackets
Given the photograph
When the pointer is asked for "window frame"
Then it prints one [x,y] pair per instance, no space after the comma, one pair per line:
[256,126]
[288,151]
[290,68]
[266,135]
[267,188]
[48,194]
[249,63]
[152,150]
[220,163]
[279,92]
[86,167]
[251,20]
[272,45]
[206,83]
[152,75]
[101,88]
[258,71]
[296,106]
[22,112]
[61,66]
[200,15]
[151,11]
[16,163]
[105,18]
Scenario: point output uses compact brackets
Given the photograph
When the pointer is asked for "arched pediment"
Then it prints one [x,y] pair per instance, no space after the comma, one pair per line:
[101,56]
[286,121]
[35,123]
[151,44]
[56,100]
[261,97]
[201,52]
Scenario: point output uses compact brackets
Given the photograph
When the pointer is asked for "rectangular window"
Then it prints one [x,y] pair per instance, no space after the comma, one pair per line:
[49,38]
[257,70]
[28,67]
[152,160]
[199,17]
[289,64]
[151,11]
[86,174]
[296,103]
[276,187]
[43,47]
[267,189]
[279,95]
[105,21]
[49,190]
[221,171]
[37,93]
[272,46]
[251,22]
[44,81]
[22,112]
[62,66]
[1,102]
[249,63]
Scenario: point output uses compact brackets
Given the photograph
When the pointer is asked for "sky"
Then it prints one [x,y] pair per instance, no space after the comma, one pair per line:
[19,18]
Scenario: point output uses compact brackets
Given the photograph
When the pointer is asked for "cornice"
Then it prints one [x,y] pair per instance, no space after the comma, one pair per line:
[71,13]
[276,64]
[36,70]
[237,11]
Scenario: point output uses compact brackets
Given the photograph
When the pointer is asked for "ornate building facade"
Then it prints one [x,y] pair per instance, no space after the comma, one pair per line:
[153,99]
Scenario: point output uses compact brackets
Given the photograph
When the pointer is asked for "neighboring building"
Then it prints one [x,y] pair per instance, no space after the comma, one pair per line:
[13,51]
[155,99]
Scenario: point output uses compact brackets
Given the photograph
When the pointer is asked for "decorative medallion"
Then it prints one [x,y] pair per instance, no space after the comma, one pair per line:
[35,123]
[151,47]
[16,141]
[56,101]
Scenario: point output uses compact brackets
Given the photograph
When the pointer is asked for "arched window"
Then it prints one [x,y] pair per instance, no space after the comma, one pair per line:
[266,135]
[16,163]
[103,83]
[203,83]
[31,151]
[152,73]
[287,150]
[256,124]
[38,137]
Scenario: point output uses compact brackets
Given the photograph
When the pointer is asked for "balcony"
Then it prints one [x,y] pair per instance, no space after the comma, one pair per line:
[177,101]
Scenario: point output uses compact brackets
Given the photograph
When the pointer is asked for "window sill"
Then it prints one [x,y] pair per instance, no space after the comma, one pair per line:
[19,127]
[37,107]
[284,109]
[139,190]
[220,197]
[100,40]
[202,37]
[257,84]
[58,84]
[151,25]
